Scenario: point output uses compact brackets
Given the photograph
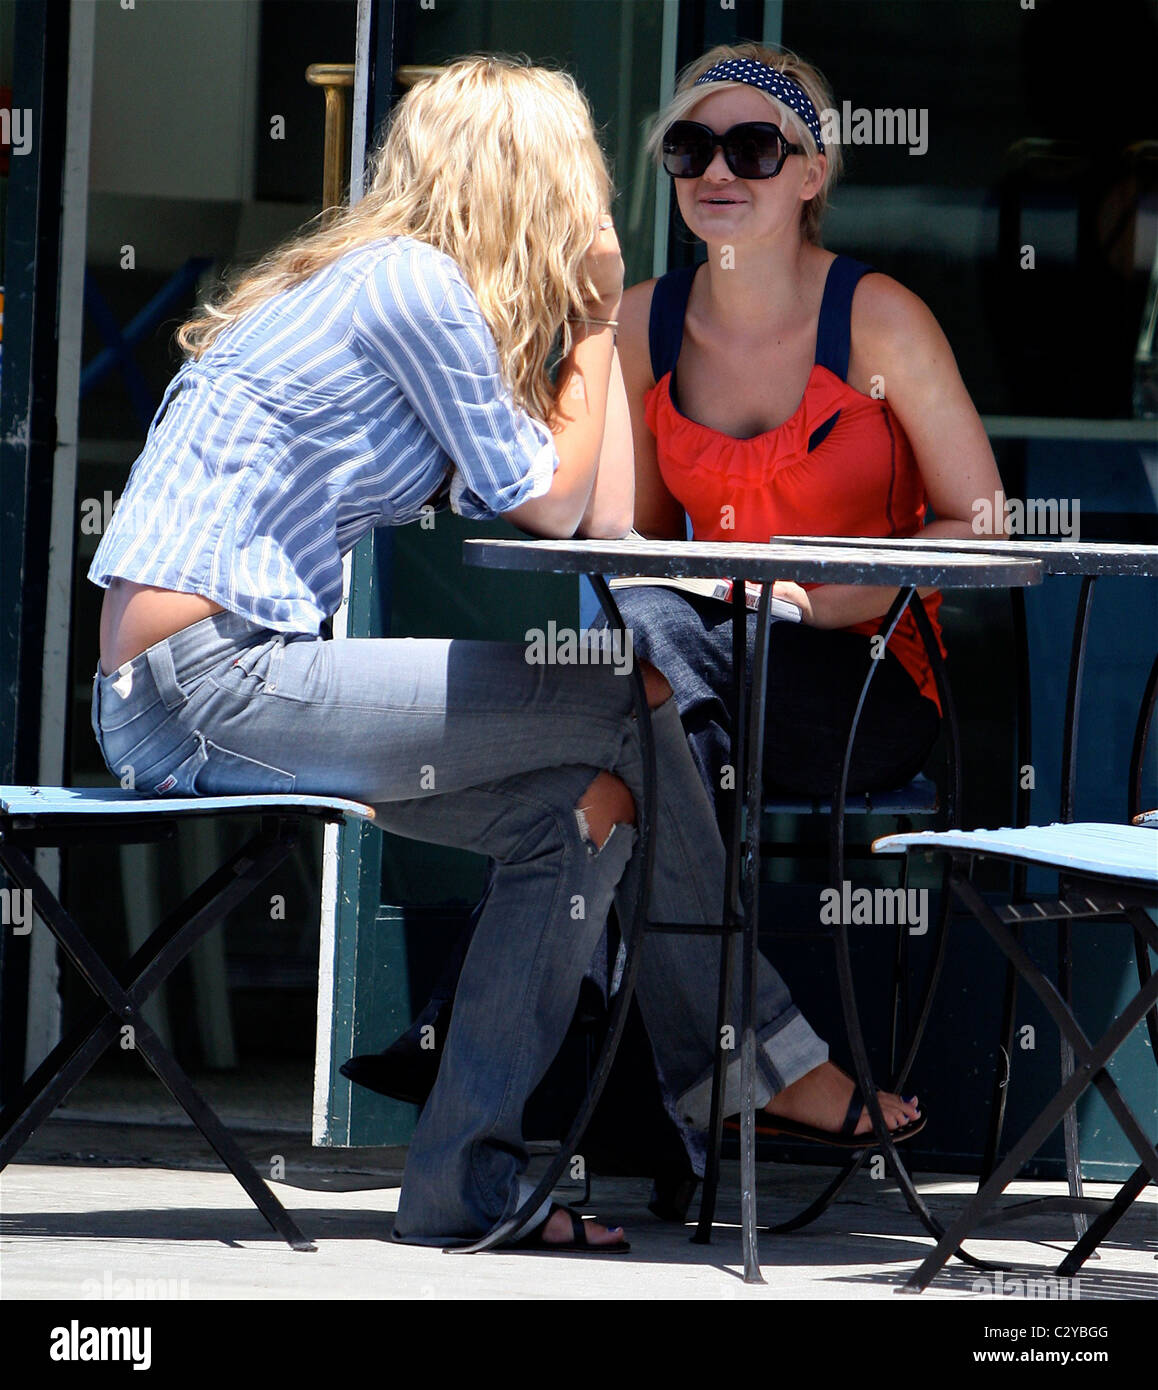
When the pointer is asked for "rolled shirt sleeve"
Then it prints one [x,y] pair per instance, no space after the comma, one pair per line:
[418,320]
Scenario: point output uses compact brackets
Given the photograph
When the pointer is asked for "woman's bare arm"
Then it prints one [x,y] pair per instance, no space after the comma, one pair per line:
[897,339]
[657,513]
[611,504]
[581,397]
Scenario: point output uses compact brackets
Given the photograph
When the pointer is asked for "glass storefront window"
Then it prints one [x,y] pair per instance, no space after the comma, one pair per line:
[1022,202]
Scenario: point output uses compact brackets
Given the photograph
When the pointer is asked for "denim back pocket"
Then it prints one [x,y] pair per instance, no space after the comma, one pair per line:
[200,767]
[226,773]
[175,774]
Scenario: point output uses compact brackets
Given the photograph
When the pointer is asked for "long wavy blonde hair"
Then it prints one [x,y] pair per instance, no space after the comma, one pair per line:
[494,162]
[687,95]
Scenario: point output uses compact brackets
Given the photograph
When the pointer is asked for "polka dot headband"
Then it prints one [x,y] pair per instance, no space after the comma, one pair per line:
[769,80]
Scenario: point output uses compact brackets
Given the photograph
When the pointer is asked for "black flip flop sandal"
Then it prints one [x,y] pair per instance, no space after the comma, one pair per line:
[578,1242]
[769,1126]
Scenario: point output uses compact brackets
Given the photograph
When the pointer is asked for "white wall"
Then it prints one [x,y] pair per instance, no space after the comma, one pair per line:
[186,69]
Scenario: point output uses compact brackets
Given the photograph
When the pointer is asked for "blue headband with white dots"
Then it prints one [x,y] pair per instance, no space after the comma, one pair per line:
[769,80]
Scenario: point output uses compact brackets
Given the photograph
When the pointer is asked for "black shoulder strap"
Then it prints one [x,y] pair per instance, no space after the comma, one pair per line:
[833,334]
[669,304]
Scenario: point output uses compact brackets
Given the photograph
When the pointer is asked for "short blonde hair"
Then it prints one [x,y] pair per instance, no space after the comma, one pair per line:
[687,95]
[494,162]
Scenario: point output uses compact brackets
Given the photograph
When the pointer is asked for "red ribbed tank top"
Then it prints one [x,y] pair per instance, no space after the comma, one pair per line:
[841,463]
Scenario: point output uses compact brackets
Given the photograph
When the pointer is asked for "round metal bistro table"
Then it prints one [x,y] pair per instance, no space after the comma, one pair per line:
[864,563]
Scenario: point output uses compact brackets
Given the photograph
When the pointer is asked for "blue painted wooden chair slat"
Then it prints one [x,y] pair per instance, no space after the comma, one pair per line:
[1119,851]
[111,801]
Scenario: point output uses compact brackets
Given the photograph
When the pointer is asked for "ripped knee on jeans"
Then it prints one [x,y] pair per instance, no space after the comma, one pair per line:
[607,802]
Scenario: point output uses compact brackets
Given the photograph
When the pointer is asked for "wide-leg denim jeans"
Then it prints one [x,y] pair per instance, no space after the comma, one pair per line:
[466,744]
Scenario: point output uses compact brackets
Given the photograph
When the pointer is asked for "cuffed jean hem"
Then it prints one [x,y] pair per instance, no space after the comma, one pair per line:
[525,1188]
[785,1054]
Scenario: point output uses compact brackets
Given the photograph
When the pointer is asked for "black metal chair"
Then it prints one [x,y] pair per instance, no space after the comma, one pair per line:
[1105,872]
[838,935]
[921,798]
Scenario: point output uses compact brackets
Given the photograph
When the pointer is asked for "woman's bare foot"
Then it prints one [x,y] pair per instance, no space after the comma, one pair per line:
[557,1231]
[820,1098]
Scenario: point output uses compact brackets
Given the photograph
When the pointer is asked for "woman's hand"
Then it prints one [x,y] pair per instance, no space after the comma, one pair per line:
[603,265]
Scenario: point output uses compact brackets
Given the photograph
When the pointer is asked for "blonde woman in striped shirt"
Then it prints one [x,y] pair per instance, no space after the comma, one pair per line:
[394,360]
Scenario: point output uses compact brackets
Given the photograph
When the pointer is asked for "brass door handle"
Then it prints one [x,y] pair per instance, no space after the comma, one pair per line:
[335,79]
[410,73]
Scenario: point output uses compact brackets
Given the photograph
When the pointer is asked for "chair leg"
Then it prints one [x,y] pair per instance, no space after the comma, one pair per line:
[825,1200]
[1093,1060]
[841,946]
[124,1010]
[182,1090]
[861,1066]
[1142,957]
[1028,1144]
[1065,967]
[1001,1082]
[49,1085]
[1105,1223]
[899,1076]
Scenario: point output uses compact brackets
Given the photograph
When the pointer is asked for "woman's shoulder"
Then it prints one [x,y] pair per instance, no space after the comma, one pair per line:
[409,253]
[896,337]
[408,282]
[635,306]
[886,316]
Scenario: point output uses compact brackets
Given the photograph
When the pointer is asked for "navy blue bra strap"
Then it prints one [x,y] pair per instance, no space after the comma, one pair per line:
[669,303]
[833,335]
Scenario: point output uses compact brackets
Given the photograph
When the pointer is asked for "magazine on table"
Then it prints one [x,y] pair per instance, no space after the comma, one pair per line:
[782,609]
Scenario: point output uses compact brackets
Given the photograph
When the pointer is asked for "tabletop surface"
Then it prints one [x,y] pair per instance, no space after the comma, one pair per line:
[866,563]
[1057,556]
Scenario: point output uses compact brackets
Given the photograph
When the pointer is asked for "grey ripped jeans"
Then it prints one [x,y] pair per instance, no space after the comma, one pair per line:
[466,744]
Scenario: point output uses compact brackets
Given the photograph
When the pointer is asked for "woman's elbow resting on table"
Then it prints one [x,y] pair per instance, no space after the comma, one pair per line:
[554,516]
[606,524]
[573,507]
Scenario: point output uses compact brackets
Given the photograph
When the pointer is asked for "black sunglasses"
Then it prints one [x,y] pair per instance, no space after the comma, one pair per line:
[752,149]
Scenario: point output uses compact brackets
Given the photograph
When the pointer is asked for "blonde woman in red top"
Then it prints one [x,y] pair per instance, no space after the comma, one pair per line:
[779,389]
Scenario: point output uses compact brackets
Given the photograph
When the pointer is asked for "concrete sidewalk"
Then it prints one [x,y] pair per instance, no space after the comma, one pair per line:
[98,1210]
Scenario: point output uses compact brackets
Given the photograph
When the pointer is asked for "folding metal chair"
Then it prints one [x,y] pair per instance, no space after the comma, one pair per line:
[1104,872]
[920,798]
[32,818]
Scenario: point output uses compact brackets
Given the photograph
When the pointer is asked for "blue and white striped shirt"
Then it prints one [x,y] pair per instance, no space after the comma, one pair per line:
[339,405]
